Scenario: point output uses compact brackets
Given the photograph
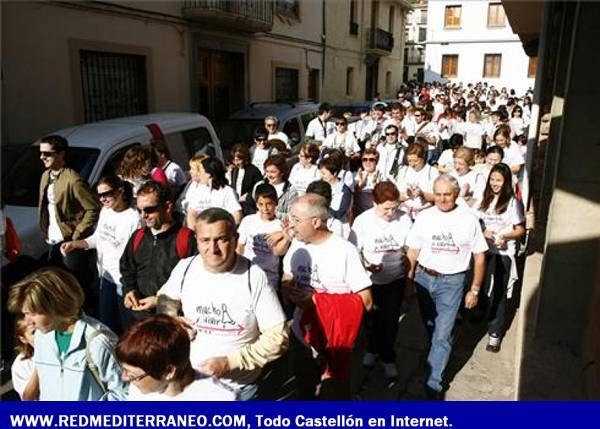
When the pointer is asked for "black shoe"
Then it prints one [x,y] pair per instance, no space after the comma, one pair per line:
[493,344]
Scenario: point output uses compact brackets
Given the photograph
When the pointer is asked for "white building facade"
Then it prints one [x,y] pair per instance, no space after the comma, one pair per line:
[472,41]
[416,34]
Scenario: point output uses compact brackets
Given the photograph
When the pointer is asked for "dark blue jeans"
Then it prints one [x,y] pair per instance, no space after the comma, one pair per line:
[82,264]
[439,300]
[112,312]
[494,301]
[382,320]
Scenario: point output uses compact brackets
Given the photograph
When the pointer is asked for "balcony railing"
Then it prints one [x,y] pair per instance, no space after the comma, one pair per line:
[381,41]
[241,15]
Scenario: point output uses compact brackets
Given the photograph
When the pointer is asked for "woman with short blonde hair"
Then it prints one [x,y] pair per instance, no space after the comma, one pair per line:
[74,353]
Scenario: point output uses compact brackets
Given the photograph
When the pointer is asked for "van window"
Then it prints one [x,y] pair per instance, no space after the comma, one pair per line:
[292,130]
[306,118]
[198,140]
[178,149]
[114,161]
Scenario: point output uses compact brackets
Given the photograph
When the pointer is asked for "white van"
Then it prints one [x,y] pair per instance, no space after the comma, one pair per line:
[96,149]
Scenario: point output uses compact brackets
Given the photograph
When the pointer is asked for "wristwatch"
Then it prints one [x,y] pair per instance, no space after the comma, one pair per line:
[474,291]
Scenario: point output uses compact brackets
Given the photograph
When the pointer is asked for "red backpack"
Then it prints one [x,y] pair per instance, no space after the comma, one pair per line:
[182,241]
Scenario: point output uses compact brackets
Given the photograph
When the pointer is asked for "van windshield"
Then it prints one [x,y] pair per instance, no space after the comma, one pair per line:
[234,131]
[21,183]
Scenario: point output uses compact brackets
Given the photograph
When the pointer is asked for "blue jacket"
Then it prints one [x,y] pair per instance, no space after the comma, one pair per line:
[67,377]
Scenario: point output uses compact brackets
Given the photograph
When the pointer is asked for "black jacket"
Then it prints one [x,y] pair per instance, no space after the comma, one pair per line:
[252,176]
[151,265]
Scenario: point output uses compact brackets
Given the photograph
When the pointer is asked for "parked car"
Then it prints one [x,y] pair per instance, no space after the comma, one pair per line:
[351,106]
[293,120]
[96,149]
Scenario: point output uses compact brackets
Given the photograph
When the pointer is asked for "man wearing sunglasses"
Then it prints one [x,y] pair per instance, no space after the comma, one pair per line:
[391,154]
[68,210]
[153,251]
[272,125]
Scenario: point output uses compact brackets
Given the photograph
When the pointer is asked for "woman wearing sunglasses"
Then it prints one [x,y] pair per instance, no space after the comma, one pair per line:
[118,220]
[366,178]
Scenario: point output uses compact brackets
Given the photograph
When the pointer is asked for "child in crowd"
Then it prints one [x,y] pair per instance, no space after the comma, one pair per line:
[23,372]
[254,232]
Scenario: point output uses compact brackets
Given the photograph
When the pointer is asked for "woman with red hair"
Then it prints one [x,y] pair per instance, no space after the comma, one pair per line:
[154,354]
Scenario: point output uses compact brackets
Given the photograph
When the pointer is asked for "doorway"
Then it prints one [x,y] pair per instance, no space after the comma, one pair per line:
[220,78]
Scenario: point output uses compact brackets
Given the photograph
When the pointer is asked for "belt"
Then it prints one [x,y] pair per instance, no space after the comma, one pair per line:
[434,273]
[429,271]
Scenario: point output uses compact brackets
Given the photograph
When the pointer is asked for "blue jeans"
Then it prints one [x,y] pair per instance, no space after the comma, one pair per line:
[112,311]
[439,300]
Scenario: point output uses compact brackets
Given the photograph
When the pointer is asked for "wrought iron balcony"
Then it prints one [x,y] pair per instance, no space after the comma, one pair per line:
[380,42]
[248,16]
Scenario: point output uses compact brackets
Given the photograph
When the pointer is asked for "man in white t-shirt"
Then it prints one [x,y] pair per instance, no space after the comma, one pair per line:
[441,243]
[319,262]
[318,129]
[228,304]
[271,125]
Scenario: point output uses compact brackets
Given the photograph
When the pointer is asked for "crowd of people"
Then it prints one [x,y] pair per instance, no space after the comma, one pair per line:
[203,282]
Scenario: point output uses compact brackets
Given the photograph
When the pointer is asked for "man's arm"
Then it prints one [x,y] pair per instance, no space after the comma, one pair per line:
[91,207]
[270,345]
[472,296]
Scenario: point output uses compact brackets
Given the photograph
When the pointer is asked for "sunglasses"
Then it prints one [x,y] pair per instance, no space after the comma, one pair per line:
[418,116]
[391,134]
[369,159]
[270,125]
[340,123]
[149,210]
[47,153]
[261,139]
[106,194]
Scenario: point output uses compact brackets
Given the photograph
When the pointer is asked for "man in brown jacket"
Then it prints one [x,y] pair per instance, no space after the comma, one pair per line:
[68,210]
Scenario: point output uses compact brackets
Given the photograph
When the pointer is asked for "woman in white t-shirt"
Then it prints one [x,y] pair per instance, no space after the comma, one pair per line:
[341,194]
[512,153]
[517,122]
[380,235]
[117,222]
[276,175]
[415,181]
[473,130]
[503,224]
[154,354]
[208,188]
[471,183]
[305,170]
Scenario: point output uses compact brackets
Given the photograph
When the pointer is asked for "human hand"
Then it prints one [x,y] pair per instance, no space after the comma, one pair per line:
[302,298]
[130,300]
[67,247]
[188,325]
[147,303]
[471,300]
[215,367]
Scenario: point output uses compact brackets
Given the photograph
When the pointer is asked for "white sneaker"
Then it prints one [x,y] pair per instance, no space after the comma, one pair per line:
[369,359]
[389,370]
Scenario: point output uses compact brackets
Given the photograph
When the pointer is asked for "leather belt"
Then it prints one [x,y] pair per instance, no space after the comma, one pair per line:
[429,271]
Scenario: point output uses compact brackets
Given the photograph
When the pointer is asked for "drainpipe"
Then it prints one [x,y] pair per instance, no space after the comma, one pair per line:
[323,44]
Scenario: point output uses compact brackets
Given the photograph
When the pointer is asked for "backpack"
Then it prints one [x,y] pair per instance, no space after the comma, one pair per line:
[182,241]
[91,365]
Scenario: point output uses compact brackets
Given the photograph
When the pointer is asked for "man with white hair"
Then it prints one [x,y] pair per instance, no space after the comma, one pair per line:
[272,126]
[322,268]
[441,243]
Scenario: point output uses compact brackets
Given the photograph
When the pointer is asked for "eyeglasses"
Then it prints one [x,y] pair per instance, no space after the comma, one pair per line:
[369,159]
[391,134]
[47,153]
[106,194]
[294,219]
[128,377]
[149,210]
